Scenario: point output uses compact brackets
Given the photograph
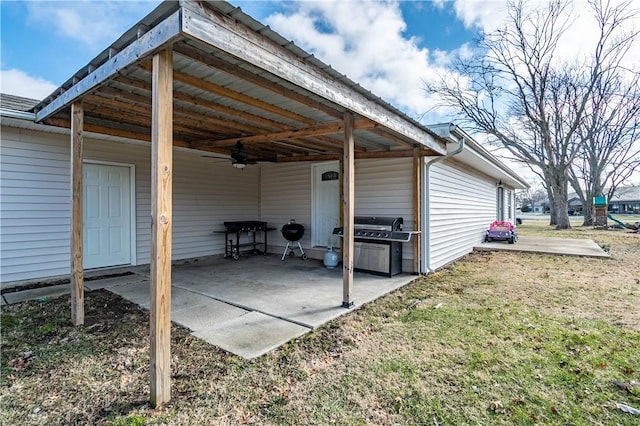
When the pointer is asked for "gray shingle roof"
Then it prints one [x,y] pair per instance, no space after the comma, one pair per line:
[16,103]
[626,193]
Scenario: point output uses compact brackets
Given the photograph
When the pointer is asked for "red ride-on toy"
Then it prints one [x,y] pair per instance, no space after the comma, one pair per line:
[501,231]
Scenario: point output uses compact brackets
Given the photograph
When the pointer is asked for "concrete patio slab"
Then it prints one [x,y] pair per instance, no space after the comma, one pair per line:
[251,335]
[113,281]
[303,292]
[247,307]
[37,293]
[208,314]
[136,292]
[547,245]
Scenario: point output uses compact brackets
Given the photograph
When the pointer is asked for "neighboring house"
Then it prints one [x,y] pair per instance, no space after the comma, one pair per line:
[626,199]
[541,206]
[574,204]
[219,96]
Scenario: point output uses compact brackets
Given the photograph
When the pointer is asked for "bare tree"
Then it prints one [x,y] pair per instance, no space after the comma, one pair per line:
[611,129]
[517,90]
[532,196]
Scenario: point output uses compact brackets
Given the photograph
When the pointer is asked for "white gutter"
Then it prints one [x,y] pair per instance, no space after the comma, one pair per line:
[446,133]
[21,115]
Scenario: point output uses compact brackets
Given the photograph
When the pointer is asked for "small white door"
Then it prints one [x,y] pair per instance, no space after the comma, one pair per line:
[107,216]
[326,204]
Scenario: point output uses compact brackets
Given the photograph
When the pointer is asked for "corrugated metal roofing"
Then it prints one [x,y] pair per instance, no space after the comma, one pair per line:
[219,98]
[17,103]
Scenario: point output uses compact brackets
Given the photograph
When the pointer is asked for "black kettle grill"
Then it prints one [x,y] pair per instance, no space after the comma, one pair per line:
[293,232]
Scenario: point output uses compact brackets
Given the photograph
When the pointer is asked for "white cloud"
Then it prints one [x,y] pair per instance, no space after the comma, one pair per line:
[579,39]
[96,25]
[366,41]
[482,14]
[19,83]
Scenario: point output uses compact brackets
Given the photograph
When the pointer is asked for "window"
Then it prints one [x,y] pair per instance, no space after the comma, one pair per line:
[510,204]
[500,204]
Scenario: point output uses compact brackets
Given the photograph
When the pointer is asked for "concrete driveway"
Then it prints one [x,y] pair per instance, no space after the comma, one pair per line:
[253,305]
[561,246]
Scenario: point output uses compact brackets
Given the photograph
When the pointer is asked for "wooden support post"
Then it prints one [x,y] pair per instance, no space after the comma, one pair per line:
[348,165]
[77,276]
[341,184]
[417,207]
[161,221]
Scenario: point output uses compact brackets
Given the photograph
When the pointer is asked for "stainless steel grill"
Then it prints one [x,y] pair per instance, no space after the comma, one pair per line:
[378,228]
[378,244]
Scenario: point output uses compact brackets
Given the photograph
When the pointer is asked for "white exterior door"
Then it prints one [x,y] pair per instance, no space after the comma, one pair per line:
[107,216]
[326,204]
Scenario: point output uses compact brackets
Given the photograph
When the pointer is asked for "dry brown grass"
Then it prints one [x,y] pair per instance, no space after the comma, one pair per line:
[496,338]
[606,289]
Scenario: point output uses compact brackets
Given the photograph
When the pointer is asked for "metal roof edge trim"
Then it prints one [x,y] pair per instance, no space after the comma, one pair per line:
[478,149]
[482,151]
[157,37]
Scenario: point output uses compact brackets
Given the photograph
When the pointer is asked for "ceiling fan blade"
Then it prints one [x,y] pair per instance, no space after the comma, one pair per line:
[221,157]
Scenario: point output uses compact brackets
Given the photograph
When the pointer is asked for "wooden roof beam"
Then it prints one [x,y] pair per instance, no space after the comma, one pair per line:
[230,112]
[385,134]
[210,87]
[104,130]
[219,125]
[404,153]
[135,119]
[322,129]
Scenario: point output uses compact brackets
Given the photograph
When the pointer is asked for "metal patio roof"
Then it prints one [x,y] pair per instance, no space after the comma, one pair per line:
[235,79]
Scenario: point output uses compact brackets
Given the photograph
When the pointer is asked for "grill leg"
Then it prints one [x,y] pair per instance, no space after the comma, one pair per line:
[304,256]
[285,250]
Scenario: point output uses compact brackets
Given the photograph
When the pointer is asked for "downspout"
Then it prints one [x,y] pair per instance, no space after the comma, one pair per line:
[427,209]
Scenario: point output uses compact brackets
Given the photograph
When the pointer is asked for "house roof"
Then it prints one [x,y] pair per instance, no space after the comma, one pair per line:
[235,79]
[626,194]
[478,157]
[17,103]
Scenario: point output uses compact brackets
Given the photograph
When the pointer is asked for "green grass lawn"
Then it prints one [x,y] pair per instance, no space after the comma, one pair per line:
[496,338]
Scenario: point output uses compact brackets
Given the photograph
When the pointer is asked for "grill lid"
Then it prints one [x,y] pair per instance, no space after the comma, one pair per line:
[377,223]
[378,228]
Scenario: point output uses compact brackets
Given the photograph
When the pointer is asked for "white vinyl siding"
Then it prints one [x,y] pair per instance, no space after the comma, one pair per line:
[34,205]
[285,193]
[35,201]
[383,187]
[462,205]
[206,193]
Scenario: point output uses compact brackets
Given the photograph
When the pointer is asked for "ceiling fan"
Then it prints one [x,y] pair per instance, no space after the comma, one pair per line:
[240,158]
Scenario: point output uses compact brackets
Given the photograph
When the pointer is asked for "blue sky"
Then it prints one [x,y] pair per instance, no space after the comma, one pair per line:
[45,43]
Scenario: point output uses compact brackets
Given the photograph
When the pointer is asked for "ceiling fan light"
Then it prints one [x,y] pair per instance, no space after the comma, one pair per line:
[238,165]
